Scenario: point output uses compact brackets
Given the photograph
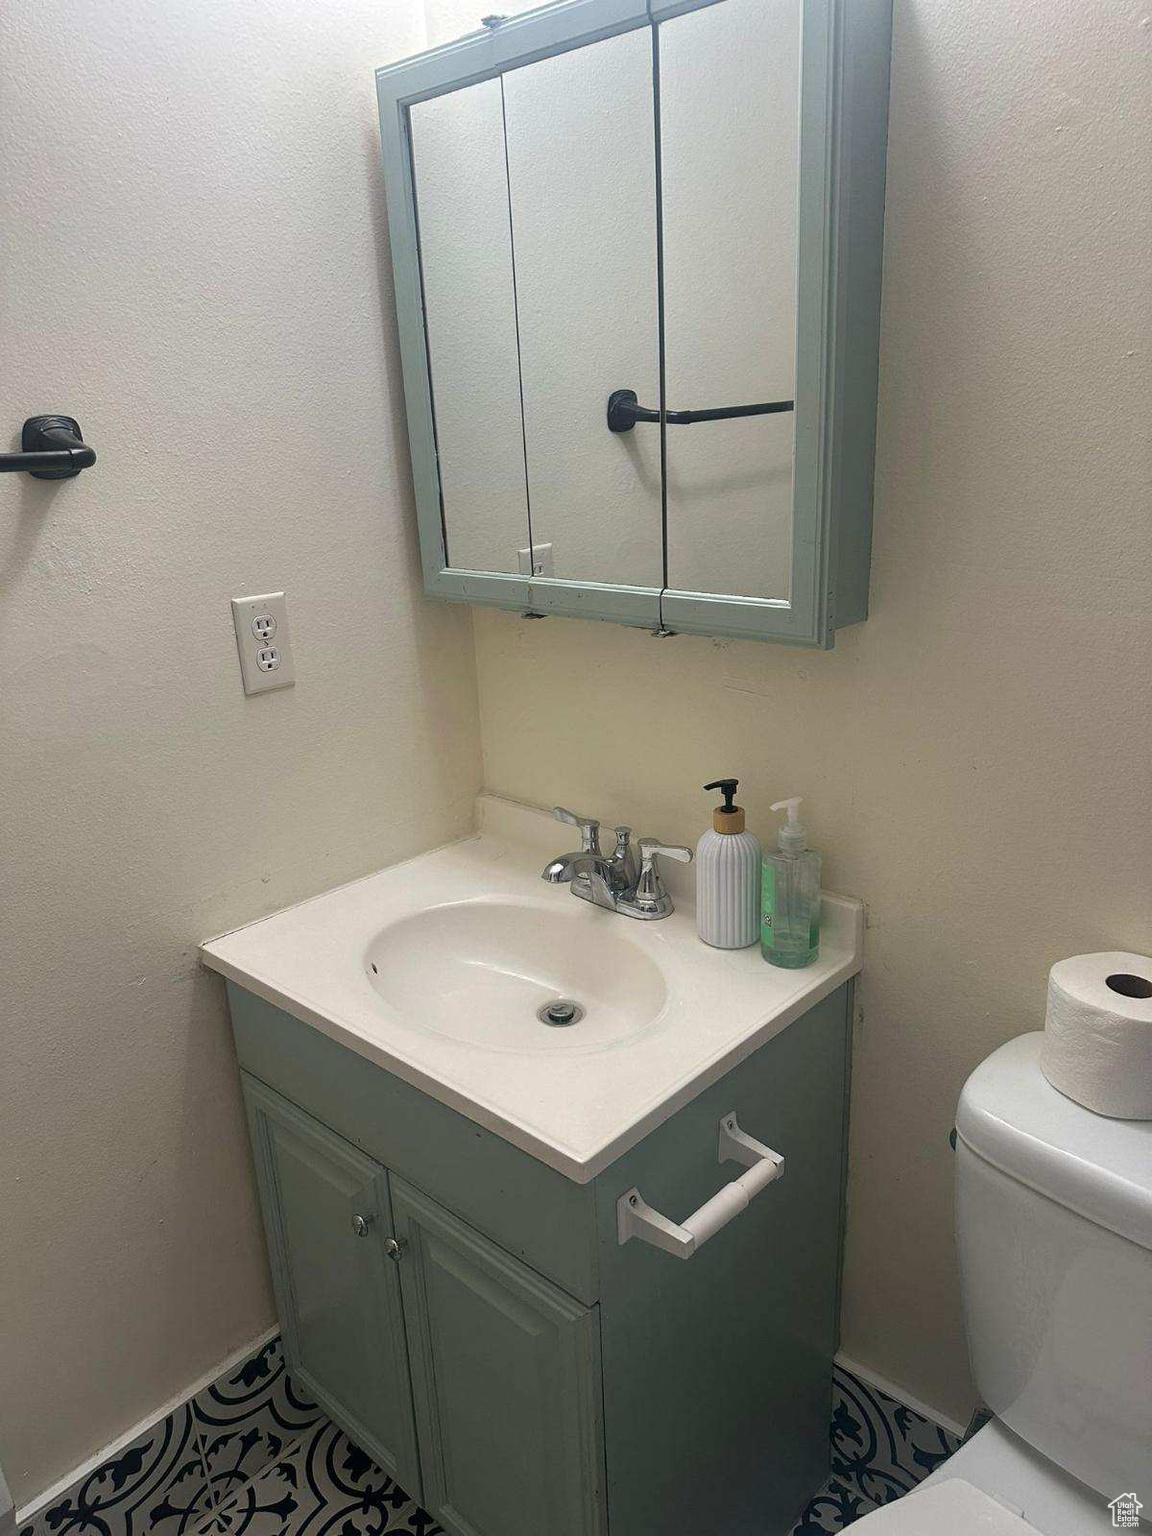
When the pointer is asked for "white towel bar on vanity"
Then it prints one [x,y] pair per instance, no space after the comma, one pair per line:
[636,1218]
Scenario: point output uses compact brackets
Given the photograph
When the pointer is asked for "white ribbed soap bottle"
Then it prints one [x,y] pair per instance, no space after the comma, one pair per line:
[728,876]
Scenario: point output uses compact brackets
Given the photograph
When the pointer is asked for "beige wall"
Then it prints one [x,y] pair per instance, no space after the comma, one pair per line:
[976,756]
[196,267]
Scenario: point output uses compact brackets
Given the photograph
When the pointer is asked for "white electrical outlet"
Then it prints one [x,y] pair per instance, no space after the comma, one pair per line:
[262,641]
[542,565]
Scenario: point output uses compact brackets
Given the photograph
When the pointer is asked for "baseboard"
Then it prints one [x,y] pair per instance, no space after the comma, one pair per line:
[122,1442]
[901,1394]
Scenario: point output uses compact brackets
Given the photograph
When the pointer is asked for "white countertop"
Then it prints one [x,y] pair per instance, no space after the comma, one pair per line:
[576,1109]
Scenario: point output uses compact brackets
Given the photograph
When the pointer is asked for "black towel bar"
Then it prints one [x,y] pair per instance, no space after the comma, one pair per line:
[624,412]
[53,450]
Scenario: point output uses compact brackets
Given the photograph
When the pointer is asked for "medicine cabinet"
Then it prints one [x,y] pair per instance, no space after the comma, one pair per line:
[637,254]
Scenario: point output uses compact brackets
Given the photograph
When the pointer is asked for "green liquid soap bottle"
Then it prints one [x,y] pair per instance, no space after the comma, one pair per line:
[790,896]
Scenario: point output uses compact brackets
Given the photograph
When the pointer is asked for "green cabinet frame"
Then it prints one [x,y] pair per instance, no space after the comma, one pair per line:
[843,138]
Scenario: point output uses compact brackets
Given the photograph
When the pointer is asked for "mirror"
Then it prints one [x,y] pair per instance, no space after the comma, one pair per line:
[538,259]
[730,103]
[543,268]
[637,253]
[583,186]
[470,320]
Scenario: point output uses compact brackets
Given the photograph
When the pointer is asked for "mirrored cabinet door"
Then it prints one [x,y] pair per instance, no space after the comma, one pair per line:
[581,168]
[461,186]
[730,127]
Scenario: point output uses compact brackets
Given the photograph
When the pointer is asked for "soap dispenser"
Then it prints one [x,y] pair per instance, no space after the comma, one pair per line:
[727,876]
[790,931]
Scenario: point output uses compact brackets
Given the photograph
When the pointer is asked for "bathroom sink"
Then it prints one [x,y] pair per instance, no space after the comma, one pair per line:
[510,976]
[437,970]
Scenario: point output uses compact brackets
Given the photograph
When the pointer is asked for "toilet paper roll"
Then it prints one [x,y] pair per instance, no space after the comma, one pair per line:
[1098,1033]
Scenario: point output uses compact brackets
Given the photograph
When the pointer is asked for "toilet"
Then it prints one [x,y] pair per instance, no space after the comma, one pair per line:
[1054,1227]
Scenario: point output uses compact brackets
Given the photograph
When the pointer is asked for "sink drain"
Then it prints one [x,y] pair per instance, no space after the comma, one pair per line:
[560,1012]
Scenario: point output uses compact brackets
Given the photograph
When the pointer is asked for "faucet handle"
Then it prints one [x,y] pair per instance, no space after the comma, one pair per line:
[588,826]
[650,847]
[650,899]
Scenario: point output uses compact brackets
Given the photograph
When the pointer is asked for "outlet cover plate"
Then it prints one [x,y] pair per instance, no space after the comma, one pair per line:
[537,561]
[262,640]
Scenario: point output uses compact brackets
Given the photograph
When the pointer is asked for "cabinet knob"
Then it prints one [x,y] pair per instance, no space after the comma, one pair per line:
[394,1247]
[360,1225]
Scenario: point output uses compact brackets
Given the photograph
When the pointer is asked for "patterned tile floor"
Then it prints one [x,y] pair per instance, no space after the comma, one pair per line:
[251,1456]
[156,1483]
[880,1450]
[249,1419]
[323,1484]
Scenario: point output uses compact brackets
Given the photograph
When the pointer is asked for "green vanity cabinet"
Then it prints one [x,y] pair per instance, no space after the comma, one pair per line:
[470,1316]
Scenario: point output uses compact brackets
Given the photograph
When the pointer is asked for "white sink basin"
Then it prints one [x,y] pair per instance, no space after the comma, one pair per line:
[481,971]
[434,969]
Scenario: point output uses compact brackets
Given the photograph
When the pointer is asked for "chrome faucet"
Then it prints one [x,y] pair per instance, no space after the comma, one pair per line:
[621,883]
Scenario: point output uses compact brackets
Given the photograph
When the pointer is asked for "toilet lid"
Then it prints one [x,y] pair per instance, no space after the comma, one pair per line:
[950,1508]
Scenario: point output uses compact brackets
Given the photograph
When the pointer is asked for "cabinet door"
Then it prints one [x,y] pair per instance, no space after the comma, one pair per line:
[461,188]
[327,1215]
[730,97]
[586,303]
[506,1380]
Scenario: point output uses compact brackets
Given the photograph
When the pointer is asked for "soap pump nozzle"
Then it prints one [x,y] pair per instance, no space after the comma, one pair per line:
[728,818]
[792,836]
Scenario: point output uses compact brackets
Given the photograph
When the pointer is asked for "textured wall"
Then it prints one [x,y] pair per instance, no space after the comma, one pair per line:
[195,265]
[976,755]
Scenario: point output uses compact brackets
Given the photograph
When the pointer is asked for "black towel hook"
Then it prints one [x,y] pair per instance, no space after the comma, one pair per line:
[53,450]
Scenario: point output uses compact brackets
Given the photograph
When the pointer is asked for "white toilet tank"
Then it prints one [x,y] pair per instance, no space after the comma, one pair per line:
[1054,1221]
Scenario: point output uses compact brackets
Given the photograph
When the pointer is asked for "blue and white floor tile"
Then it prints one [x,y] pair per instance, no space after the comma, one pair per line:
[880,1450]
[324,1484]
[249,1419]
[252,1456]
[157,1484]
